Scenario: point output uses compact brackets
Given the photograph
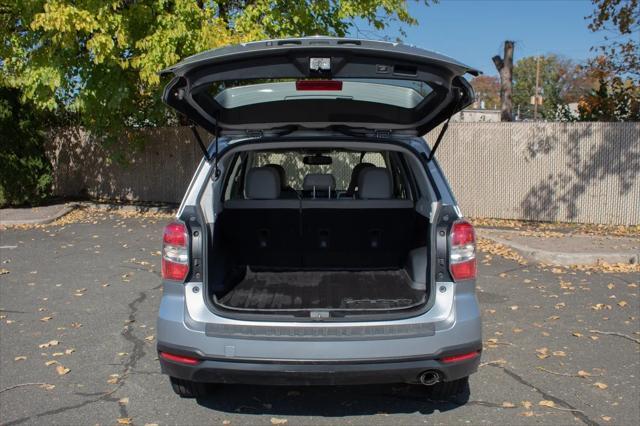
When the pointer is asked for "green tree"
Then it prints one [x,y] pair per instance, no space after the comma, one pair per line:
[99,58]
[25,174]
[561,82]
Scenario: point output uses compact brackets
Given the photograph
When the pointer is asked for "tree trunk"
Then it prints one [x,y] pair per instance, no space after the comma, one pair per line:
[505,68]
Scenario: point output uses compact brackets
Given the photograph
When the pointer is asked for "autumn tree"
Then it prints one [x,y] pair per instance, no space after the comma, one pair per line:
[616,67]
[561,82]
[100,59]
[487,89]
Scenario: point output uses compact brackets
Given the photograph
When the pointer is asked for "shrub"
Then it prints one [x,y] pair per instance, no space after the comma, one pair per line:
[25,171]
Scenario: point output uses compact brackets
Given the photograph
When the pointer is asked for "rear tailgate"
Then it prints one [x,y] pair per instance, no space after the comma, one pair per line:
[318,82]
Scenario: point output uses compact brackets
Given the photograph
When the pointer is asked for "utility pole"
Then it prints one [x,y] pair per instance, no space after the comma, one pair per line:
[537,92]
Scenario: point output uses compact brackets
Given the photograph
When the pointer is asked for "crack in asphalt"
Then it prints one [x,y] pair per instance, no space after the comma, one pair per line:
[135,355]
[574,411]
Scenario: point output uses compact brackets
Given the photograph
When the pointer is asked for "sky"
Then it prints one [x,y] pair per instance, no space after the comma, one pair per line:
[473,31]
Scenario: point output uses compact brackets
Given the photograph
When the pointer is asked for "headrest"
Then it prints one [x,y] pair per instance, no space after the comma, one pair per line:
[374,184]
[319,181]
[281,173]
[263,183]
[355,175]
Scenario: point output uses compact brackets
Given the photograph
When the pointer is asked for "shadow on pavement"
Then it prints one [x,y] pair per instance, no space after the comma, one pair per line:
[327,401]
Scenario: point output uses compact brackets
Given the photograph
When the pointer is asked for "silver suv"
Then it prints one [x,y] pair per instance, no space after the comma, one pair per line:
[319,242]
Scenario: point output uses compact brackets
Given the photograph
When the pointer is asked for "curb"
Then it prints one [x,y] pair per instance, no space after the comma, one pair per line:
[167,208]
[43,221]
[565,258]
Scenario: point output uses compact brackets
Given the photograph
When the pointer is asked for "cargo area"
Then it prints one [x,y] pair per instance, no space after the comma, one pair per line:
[341,235]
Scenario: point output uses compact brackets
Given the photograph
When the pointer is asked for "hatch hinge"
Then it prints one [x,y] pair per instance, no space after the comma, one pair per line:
[383,134]
[255,133]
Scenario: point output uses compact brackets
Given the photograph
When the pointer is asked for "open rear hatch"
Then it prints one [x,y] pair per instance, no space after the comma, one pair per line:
[318,82]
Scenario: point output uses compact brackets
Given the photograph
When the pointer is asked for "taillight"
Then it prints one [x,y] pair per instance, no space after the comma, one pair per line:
[175,253]
[319,85]
[461,357]
[462,251]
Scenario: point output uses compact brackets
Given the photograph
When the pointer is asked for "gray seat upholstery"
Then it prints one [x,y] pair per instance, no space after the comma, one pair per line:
[319,185]
[374,183]
[355,177]
[263,183]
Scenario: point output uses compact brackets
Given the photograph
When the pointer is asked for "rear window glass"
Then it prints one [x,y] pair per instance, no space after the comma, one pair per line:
[341,166]
[401,93]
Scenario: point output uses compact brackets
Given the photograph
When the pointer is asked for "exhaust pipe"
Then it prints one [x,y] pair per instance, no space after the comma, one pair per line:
[430,377]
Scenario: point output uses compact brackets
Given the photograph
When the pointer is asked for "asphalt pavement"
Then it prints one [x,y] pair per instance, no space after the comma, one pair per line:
[77,344]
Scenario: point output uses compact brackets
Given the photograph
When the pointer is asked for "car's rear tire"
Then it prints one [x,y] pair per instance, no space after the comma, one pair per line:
[446,390]
[189,389]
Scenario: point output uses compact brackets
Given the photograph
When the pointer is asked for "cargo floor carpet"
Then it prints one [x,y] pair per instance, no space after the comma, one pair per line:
[324,290]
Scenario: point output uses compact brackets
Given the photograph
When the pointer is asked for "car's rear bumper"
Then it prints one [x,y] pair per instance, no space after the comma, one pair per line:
[310,372]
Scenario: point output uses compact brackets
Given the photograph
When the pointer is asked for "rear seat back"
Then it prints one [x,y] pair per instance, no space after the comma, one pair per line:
[373,231]
[261,228]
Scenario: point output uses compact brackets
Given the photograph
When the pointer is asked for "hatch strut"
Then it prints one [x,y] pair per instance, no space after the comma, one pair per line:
[203,148]
[443,130]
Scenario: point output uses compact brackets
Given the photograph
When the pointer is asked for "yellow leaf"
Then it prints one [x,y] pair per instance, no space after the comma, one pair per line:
[57,354]
[62,370]
[606,418]
[69,351]
[508,404]
[514,307]
[600,385]
[583,373]
[547,403]
[45,319]
[559,353]
[527,414]
[622,303]
[577,334]
[47,386]
[526,404]
[611,286]
[149,338]
[48,363]
[123,401]
[277,421]
[124,421]
[20,358]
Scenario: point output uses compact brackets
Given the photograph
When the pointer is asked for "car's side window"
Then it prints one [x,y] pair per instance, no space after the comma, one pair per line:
[234,183]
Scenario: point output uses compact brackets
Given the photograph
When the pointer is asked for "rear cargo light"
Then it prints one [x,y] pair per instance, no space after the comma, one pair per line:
[461,357]
[318,85]
[462,251]
[175,253]
[179,358]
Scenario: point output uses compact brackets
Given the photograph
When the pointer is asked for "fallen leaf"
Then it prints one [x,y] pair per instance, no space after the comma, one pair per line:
[57,354]
[48,363]
[527,414]
[577,334]
[507,404]
[583,373]
[47,386]
[600,385]
[122,354]
[226,422]
[514,307]
[547,403]
[69,351]
[45,319]
[277,421]
[49,343]
[526,404]
[62,370]
[611,286]
[20,358]
[559,353]
[123,401]
[606,418]
[124,421]
[622,303]
[149,338]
